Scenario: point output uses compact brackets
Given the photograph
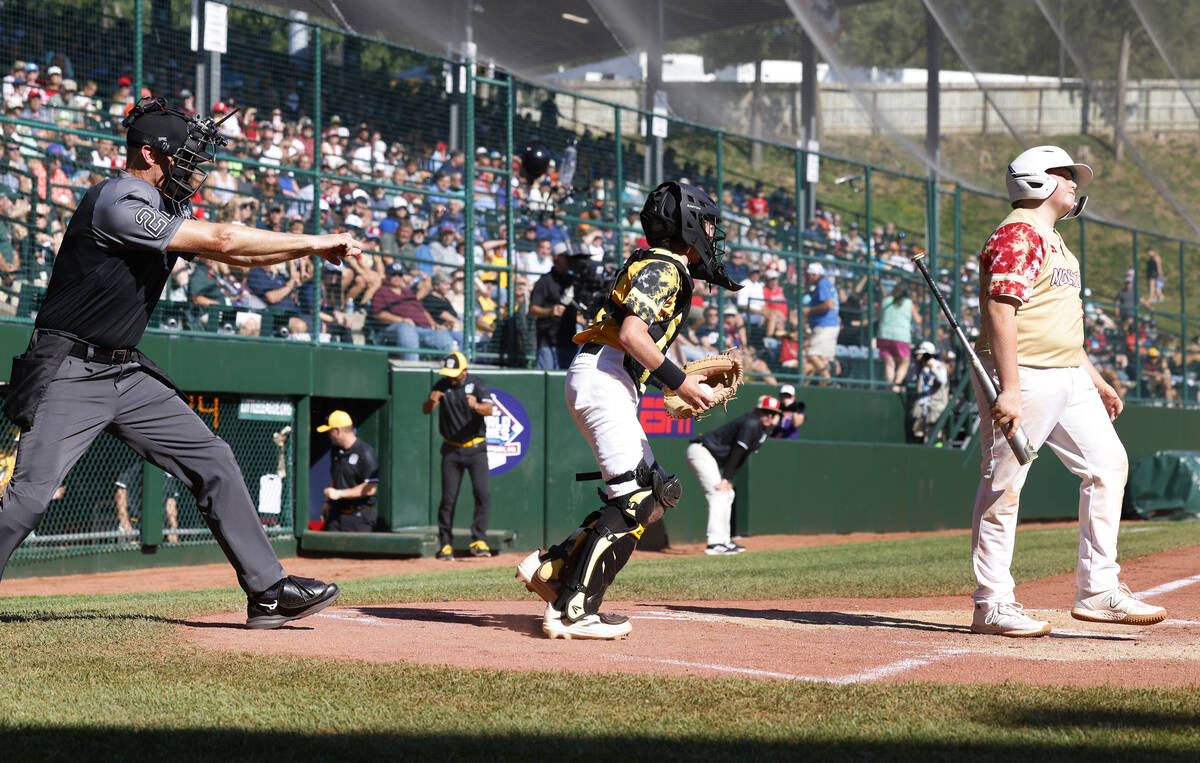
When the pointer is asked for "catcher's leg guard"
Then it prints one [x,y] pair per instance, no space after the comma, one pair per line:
[608,539]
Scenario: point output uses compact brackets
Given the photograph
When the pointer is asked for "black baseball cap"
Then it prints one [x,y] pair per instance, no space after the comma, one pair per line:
[158,129]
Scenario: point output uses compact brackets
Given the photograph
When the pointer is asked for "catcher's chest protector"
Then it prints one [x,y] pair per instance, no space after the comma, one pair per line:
[662,331]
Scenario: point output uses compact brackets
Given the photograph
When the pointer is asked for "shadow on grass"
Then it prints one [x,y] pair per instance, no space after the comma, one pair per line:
[208,744]
[126,617]
[1108,719]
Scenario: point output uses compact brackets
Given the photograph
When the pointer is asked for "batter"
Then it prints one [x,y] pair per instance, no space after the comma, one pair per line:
[1032,344]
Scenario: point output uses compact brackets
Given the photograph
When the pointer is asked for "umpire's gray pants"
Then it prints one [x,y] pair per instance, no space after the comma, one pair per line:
[86,398]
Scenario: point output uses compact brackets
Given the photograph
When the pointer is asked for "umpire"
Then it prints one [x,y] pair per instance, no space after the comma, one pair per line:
[465,399]
[353,478]
[82,373]
[715,458]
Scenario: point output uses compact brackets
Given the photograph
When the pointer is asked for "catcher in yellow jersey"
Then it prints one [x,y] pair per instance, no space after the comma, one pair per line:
[620,353]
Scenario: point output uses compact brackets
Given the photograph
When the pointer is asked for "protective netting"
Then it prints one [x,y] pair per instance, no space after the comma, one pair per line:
[337,131]
[111,491]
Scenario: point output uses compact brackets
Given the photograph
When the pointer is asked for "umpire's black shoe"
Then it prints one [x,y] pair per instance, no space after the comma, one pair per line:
[290,599]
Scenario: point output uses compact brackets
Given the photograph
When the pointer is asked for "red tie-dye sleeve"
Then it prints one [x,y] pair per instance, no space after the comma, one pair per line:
[1012,259]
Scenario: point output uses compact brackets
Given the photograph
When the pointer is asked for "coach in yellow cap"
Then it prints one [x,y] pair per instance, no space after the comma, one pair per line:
[353,478]
[465,400]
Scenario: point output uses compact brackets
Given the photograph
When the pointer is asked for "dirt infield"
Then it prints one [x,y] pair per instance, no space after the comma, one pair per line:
[838,640]
[829,640]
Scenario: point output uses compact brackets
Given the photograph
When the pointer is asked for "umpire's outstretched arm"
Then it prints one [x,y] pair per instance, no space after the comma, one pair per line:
[248,247]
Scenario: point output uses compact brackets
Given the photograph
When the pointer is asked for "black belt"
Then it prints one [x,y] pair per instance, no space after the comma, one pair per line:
[591,348]
[355,510]
[91,352]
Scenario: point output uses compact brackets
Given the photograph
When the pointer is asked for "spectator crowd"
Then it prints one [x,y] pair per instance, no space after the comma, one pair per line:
[832,301]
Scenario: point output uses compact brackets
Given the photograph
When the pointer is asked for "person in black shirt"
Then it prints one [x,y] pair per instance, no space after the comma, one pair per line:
[465,400]
[82,373]
[551,304]
[353,478]
[715,458]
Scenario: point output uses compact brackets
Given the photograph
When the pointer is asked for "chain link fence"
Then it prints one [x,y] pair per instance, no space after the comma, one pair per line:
[417,154]
[111,492]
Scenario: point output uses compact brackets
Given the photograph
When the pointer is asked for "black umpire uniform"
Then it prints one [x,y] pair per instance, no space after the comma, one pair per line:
[82,373]
[464,447]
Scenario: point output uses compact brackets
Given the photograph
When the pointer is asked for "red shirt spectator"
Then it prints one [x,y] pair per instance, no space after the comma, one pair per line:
[402,303]
[757,206]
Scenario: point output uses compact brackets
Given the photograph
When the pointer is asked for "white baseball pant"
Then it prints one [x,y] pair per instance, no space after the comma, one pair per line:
[720,502]
[1061,408]
[604,403]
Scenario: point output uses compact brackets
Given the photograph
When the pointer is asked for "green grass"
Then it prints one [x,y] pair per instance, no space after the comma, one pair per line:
[105,678]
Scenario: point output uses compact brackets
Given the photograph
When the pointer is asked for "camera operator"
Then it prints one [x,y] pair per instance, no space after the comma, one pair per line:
[562,301]
[793,414]
[552,303]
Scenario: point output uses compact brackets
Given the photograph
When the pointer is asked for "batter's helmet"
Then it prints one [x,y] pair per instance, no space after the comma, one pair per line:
[1029,177]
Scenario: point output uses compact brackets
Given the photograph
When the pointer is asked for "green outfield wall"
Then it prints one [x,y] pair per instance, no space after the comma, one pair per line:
[850,470]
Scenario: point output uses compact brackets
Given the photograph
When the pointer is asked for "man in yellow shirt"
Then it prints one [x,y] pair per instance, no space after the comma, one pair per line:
[1031,341]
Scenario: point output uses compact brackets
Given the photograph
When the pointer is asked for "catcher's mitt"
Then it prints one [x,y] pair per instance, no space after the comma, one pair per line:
[721,372]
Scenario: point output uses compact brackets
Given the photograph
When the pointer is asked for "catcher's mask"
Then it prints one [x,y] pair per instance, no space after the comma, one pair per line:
[190,142]
[674,216]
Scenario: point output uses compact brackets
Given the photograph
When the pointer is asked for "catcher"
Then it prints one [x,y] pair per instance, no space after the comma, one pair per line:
[622,351]
[715,458]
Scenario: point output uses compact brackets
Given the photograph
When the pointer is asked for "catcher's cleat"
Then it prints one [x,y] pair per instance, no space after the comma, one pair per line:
[599,626]
[534,573]
[290,599]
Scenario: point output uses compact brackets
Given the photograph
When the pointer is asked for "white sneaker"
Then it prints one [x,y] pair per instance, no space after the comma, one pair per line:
[723,549]
[530,572]
[1007,619]
[1118,606]
[600,626]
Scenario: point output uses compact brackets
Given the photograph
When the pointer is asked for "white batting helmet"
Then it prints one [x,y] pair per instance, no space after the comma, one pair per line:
[1029,177]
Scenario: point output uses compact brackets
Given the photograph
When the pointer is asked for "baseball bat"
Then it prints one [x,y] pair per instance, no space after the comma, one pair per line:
[1016,439]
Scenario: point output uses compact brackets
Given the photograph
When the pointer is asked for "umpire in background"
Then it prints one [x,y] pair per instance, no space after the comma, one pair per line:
[715,458]
[82,373]
[353,478]
[464,399]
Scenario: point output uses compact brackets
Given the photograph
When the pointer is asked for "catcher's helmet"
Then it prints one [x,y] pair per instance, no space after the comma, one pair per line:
[674,216]
[535,160]
[190,142]
[1029,177]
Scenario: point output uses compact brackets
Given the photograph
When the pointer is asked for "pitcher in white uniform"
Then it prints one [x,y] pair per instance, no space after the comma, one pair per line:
[1032,343]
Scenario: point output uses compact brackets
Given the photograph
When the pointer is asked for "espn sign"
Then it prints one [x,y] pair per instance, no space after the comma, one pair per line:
[652,415]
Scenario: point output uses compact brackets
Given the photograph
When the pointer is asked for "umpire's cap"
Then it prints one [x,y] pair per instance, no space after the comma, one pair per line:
[163,130]
[453,365]
[337,419]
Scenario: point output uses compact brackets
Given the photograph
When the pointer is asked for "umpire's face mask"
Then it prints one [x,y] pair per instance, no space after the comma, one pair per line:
[190,144]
